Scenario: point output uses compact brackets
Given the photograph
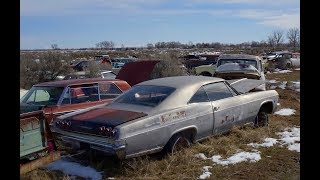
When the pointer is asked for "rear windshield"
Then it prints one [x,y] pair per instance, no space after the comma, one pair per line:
[239,61]
[145,95]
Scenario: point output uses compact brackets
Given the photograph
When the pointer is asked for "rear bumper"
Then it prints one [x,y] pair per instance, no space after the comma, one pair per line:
[117,148]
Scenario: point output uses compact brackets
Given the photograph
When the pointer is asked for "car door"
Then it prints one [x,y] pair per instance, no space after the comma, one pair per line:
[200,110]
[227,106]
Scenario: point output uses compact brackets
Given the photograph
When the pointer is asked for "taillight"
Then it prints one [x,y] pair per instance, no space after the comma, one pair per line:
[107,131]
[51,146]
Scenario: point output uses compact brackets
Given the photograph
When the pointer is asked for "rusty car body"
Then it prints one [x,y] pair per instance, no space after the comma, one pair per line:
[36,147]
[237,66]
[159,114]
[59,97]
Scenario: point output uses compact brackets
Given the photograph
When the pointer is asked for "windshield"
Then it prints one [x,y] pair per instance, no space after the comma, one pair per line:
[239,61]
[42,96]
[145,95]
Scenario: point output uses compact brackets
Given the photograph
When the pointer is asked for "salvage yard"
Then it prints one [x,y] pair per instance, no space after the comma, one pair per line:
[271,152]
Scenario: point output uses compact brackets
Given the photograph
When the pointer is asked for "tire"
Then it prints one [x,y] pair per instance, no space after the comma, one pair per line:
[177,143]
[288,66]
[262,119]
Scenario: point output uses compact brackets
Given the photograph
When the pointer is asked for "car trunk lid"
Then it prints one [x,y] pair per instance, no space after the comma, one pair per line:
[89,122]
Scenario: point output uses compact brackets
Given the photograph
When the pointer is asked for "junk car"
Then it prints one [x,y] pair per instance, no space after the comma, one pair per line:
[166,114]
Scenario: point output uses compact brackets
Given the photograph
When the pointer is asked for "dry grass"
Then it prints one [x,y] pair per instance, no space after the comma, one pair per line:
[276,162]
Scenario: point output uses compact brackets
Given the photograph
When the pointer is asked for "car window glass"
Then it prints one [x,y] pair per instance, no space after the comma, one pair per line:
[199,96]
[43,95]
[145,95]
[109,75]
[108,90]
[81,94]
[217,91]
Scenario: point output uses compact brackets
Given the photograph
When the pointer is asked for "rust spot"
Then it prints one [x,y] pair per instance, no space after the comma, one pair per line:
[53,156]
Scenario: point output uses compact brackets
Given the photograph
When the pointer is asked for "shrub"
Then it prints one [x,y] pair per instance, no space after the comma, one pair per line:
[46,68]
[169,65]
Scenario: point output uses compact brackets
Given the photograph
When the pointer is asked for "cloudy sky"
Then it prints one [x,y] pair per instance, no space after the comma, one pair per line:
[83,23]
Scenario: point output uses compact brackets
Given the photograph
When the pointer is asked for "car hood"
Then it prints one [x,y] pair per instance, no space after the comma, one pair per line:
[245,85]
[136,72]
[90,121]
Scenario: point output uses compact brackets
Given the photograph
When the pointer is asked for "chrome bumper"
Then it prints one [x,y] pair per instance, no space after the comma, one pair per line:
[118,148]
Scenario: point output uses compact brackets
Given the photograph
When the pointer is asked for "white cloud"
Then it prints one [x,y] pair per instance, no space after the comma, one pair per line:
[60,7]
[283,21]
[266,3]
[274,18]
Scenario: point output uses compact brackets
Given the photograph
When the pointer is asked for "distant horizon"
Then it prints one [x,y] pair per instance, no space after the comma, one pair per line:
[84,23]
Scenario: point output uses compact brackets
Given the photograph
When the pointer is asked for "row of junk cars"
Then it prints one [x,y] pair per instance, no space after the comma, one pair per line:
[133,115]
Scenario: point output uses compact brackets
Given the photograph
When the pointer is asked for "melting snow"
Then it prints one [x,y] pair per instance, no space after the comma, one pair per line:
[73,168]
[298,69]
[291,138]
[273,81]
[237,158]
[268,142]
[285,112]
[281,71]
[206,174]
[201,155]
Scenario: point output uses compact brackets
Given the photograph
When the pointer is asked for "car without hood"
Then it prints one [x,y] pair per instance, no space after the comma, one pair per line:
[166,113]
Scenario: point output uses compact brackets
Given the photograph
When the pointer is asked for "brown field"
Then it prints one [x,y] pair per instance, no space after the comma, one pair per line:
[276,162]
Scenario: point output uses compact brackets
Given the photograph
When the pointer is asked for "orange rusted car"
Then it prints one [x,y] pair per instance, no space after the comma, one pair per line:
[59,97]
[45,101]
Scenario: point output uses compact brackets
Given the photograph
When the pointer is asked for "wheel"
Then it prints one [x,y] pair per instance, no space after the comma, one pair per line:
[262,119]
[177,143]
[288,66]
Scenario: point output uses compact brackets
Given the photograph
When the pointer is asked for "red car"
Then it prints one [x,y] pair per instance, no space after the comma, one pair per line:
[59,97]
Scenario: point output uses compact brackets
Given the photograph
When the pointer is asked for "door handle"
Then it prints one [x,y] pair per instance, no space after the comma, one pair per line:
[216,108]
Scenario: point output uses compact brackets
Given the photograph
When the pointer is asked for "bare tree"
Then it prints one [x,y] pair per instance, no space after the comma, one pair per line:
[54,46]
[293,36]
[276,38]
[150,46]
[105,44]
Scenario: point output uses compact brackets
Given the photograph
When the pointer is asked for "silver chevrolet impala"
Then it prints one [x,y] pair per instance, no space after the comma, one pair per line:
[166,114]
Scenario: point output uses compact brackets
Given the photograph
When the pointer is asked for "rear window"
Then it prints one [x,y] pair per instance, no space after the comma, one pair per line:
[145,95]
[239,61]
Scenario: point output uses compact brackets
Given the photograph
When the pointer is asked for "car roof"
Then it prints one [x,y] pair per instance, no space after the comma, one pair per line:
[63,83]
[181,81]
[238,56]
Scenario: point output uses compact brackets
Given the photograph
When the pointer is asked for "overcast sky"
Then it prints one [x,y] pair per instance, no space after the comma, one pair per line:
[83,23]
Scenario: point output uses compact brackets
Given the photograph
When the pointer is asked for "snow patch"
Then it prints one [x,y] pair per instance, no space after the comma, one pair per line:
[268,142]
[297,69]
[285,112]
[281,71]
[201,155]
[73,168]
[291,138]
[237,158]
[206,174]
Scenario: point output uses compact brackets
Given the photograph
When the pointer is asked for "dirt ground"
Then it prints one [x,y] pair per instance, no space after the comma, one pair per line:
[276,162]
